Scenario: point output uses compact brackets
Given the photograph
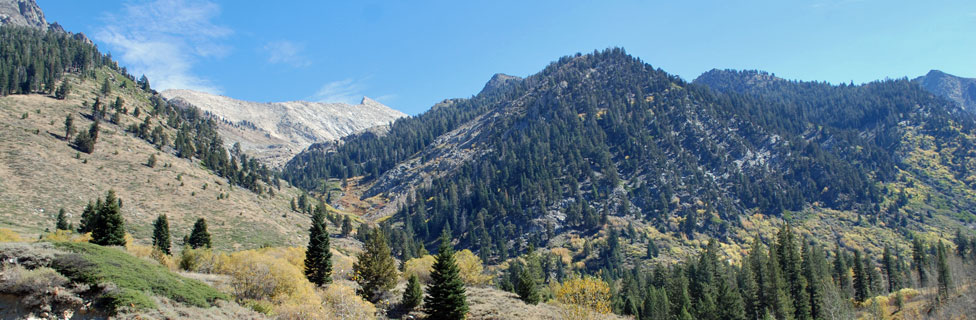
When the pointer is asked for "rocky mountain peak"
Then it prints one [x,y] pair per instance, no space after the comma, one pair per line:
[22,13]
[957,89]
[499,80]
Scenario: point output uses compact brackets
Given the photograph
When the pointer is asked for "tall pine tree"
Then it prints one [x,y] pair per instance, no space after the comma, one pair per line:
[199,237]
[446,298]
[62,221]
[318,255]
[413,295]
[109,228]
[161,239]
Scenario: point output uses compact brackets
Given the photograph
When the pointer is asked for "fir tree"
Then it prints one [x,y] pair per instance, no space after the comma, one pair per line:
[160,237]
[69,127]
[199,237]
[446,298]
[920,262]
[526,287]
[152,161]
[413,295]
[944,274]
[375,271]
[861,281]
[109,229]
[318,255]
[891,270]
[63,90]
[106,87]
[346,226]
[62,221]
[88,216]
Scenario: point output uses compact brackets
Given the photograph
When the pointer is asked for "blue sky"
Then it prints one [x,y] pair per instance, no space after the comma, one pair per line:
[412,54]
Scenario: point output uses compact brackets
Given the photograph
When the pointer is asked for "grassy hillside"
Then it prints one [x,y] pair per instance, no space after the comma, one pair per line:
[41,173]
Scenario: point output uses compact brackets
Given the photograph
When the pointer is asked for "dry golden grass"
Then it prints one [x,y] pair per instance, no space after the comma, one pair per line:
[39,173]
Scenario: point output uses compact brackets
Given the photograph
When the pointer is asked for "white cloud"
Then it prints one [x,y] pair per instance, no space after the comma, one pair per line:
[163,39]
[287,52]
[348,91]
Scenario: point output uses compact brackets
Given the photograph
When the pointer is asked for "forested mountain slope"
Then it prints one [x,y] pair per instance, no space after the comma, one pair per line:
[605,137]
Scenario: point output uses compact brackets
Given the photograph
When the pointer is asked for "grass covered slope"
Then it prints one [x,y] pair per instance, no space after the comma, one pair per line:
[41,173]
[134,277]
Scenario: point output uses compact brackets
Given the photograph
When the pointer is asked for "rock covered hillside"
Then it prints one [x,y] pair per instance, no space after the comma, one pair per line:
[24,13]
[958,89]
[274,132]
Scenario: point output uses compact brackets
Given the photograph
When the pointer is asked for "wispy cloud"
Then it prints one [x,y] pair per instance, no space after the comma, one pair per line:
[348,91]
[163,39]
[287,52]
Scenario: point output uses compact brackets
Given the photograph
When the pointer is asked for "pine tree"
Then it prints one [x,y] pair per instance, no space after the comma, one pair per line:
[106,87]
[152,161]
[526,287]
[62,221]
[920,262]
[944,274]
[109,229]
[318,255]
[446,298]
[861,282]
[88,216]
[375,271]
[199,237]
[413,295]
[346,226]
[160,237]
[69,127]
[891,269]
[63,90]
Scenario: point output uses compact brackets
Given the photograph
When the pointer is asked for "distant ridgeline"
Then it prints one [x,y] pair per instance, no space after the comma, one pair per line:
[605,134]
[35,61]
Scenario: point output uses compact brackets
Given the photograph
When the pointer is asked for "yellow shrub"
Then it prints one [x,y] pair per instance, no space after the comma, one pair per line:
[582,296]
[200,260]
[342,302]
[260,276]
[420,267]
[471,268]
[7,235]
[59,236]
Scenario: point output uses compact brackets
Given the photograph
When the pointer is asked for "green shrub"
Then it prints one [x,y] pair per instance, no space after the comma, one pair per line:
[134,277]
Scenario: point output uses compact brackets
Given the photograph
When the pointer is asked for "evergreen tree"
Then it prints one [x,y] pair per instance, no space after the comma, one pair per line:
[63,90]
[861,281]
[152,161]
[69,127]
[106,87]
[62,221]
[842,274]
[375,271]
[346,226]
[446,298]
[199,237]
[526,287]
[88,216]
[413,295]
[109,228]
[920,262]
[944,274]
[891,269]
[318,255]
[160,237]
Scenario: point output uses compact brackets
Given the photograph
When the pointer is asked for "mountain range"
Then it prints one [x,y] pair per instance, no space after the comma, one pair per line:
[275,132]
[665,193]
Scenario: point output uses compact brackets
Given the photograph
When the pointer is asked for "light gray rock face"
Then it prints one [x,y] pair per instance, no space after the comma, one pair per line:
[958,89]
[22,13]
[274,132]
